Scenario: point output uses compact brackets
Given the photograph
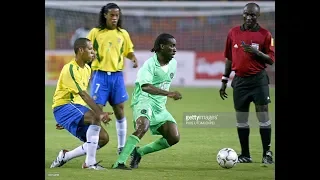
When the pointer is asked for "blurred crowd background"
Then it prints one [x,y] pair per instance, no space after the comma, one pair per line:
[195,33]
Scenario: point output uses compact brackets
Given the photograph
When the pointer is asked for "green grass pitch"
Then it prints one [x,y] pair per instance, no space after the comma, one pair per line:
[194,157]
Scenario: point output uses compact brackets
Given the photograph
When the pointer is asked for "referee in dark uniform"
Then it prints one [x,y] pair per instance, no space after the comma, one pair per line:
[249,48]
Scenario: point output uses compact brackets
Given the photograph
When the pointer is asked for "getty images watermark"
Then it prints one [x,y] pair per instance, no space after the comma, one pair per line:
[53,174]
[200,119]
[217,119]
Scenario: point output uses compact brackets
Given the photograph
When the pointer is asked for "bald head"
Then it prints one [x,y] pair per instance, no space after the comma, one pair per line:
[252,7]
[251,12]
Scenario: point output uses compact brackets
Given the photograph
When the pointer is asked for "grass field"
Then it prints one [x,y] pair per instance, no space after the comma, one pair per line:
[194,157]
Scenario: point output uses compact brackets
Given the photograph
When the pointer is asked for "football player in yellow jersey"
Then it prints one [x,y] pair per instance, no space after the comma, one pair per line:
[70,109]
[112,44]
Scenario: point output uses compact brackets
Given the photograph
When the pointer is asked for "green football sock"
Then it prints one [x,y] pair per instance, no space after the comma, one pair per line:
[131,143]
[154,146]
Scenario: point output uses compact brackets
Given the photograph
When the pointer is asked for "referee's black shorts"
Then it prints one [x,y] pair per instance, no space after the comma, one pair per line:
[254,88]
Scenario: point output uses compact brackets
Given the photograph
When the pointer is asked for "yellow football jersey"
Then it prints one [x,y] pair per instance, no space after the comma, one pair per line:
[72,80]
[111,47]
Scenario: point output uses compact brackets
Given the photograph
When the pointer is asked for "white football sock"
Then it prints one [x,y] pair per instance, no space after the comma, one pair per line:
[92,144]
[78,151]
[121,126]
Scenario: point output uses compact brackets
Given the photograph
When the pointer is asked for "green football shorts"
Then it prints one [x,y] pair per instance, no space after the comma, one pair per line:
[156,116]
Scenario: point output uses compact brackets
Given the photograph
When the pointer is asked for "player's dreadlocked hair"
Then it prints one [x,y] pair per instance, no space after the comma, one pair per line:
[161,39]
[80,43]
[103,21]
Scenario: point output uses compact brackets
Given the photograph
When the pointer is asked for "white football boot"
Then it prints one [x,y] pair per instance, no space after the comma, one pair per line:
[60,160]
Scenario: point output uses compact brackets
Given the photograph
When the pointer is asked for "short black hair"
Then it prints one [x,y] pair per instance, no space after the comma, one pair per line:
[102,24]
[161,39]
[80,43]
[253,4]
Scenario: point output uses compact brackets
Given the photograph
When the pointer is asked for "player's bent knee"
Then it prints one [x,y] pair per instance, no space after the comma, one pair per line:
[172,140]
[91,118]
[142,126]
[103,142]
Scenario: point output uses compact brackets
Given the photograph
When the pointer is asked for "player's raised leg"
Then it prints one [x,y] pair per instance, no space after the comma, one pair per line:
[170,136]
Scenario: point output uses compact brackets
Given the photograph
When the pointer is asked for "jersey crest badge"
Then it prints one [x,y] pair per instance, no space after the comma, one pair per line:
[171,75]
[143,111]
[255,45]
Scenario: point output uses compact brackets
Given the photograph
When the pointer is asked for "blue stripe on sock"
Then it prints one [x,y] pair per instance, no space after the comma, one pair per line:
[121,120]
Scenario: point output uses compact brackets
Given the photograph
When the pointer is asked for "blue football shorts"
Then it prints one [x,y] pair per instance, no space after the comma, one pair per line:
[71,117]
[108,87]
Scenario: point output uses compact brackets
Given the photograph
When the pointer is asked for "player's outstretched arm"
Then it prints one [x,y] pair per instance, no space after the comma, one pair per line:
[149,88]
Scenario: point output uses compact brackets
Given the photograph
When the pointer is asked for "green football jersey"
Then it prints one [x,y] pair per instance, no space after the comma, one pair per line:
[159,76]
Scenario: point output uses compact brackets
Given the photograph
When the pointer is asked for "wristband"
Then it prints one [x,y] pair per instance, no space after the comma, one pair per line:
[225,78]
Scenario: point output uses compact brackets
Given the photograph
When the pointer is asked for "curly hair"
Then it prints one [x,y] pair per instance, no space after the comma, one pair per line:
[103,21]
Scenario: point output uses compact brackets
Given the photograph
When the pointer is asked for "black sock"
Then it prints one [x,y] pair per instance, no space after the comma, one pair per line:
[265,134]
[243,133]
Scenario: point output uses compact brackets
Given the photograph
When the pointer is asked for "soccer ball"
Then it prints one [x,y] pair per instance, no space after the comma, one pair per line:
[227,158]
